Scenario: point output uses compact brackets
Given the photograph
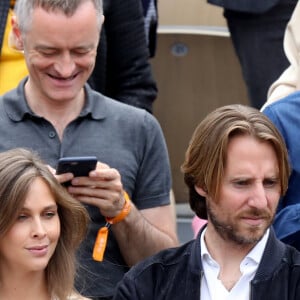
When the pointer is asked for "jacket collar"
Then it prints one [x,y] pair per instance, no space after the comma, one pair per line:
[274,251]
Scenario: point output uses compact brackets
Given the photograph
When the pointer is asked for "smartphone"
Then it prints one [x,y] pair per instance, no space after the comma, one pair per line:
[77,165]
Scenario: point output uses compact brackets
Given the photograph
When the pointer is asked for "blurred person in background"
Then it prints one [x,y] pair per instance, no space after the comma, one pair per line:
[257,30]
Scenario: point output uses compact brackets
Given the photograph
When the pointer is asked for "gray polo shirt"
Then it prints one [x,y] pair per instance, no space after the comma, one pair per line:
[124,137]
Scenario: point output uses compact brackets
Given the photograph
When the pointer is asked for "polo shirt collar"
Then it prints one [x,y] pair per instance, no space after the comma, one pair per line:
[17,107]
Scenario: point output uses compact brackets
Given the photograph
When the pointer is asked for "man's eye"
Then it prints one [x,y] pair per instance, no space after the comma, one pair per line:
[270,182]
[80,52]
[47,54]
[241,183]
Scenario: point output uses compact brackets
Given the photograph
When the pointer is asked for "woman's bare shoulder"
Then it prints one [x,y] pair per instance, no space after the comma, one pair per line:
[76,296]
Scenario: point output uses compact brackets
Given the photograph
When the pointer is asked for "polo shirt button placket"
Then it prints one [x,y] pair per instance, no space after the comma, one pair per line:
[52,134]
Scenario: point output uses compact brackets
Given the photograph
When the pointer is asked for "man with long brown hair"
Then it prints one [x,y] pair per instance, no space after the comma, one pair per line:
[236,168]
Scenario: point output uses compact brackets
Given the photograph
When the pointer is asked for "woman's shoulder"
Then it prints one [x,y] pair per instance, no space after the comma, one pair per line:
[76,296]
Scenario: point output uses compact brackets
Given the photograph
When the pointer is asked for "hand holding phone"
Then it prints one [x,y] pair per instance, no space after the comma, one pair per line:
[77,165]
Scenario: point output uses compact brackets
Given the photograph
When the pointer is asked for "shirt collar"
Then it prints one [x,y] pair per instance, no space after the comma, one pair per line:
[17,108]
[255,254]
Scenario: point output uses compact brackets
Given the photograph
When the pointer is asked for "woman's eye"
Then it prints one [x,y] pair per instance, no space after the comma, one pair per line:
[22,217]
[50,214]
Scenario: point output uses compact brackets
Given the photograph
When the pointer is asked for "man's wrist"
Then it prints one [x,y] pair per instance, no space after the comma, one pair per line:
[123,214]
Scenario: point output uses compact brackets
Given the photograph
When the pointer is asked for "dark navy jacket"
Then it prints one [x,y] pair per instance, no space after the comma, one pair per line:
[175,274]
[122,70]
[4,7]
[250,6]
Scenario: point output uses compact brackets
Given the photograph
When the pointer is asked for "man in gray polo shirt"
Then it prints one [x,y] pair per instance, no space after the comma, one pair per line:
[55,113]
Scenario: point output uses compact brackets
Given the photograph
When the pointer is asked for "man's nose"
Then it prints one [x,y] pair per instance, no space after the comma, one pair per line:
[258,197]
[65,65]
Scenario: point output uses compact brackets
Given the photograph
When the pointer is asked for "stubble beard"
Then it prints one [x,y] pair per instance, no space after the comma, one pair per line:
[232,233]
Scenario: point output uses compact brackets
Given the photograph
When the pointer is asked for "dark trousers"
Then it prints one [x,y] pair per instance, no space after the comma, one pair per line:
[258,42]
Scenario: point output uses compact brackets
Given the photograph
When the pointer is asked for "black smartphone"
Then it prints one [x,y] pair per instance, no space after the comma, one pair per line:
[77,165]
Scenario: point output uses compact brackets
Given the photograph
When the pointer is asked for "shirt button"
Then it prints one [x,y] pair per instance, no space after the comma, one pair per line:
[52,134]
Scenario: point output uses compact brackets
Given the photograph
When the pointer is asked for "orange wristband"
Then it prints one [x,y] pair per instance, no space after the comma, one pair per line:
[123,214]
[101,240]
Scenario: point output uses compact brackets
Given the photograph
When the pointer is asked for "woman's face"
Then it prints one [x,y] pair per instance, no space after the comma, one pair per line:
[31,241]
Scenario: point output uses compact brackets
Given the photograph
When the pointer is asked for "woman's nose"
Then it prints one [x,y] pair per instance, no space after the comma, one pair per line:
[38,229]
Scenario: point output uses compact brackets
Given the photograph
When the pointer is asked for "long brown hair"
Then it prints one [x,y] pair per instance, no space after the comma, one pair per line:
[205,157]
[18,169]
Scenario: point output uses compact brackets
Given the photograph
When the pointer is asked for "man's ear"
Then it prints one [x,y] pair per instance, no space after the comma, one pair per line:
[201,191]
[15,37]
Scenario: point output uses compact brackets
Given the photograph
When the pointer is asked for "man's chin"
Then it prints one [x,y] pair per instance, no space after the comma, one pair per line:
[250,236]
[63,96]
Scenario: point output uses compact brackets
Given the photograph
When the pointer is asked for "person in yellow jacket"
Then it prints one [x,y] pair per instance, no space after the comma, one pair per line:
[12,64]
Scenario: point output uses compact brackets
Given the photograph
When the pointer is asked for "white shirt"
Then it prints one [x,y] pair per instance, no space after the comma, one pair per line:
[213,289]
